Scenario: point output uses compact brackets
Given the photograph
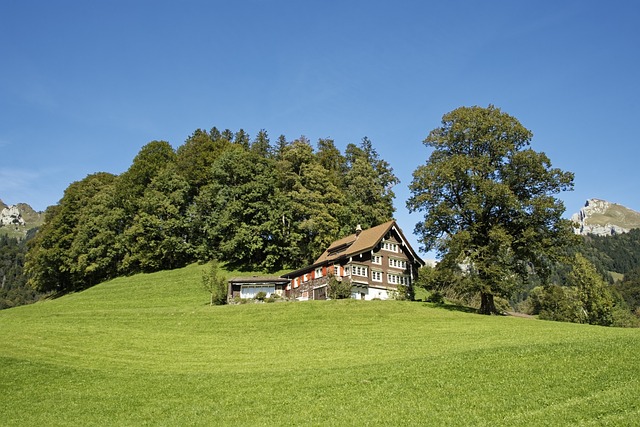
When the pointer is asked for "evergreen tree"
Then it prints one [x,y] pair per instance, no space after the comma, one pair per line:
[280,146]
[14,290]
[368,187]
[261,145]
[242,139]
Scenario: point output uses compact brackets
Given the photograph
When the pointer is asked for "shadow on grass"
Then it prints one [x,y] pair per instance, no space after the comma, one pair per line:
[452,307]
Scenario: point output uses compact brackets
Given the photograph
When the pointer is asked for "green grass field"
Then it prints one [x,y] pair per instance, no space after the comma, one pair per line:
[148,350]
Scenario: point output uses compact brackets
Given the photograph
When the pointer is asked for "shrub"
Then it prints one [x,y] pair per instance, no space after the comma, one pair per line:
[339,289]
[623,318]
[403,293]
[260,296]
[436,297]
[561,304]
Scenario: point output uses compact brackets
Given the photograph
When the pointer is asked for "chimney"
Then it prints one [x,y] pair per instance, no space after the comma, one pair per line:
[358,230]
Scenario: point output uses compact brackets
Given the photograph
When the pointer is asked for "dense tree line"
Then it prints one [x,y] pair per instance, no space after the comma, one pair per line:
[619,253]
[14,290]
[249,203]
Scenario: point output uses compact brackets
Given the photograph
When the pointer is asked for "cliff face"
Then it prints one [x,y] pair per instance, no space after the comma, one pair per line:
[10,215]
[605,218]
[16,220]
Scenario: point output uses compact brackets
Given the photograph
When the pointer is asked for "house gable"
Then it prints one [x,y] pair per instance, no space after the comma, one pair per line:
[377,258]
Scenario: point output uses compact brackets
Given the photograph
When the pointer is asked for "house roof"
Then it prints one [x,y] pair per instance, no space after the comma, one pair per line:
[258,280]
[358,243]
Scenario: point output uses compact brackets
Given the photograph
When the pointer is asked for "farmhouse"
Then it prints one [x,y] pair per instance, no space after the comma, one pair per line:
[376,260]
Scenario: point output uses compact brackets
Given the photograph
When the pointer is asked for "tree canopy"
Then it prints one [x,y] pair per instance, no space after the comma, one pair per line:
[488,202]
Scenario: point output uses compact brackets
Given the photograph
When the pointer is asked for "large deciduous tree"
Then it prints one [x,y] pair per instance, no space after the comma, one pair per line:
[488,202]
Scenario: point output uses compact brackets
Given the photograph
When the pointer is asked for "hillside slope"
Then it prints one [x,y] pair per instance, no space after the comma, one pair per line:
[147,349]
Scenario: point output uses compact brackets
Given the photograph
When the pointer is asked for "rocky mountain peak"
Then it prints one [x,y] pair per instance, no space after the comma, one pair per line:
[604,218]
[17,220]
[10,215]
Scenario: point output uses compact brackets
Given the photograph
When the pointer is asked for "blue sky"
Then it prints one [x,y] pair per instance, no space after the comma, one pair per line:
[84,85]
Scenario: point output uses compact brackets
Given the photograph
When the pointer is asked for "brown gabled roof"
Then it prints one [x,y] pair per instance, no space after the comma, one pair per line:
[355,244]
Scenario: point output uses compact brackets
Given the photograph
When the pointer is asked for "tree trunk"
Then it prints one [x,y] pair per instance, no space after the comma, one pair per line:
[487,305]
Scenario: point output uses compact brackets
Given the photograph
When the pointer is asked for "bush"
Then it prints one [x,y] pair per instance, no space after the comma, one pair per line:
[260,296]
[502,305]
[339,289]
[623,318]
[560,304]
[403,293]
[436,297]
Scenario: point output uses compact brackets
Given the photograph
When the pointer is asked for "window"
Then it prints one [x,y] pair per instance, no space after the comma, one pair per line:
[305,278]
[250,291]
[376,259]
[376,276]
[318,272]
[359,270]
[397,263]
[390,246]
[296,282]
[396,279]
[336,270]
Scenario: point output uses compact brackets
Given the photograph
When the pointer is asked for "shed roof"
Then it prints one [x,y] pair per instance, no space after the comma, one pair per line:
[258,280]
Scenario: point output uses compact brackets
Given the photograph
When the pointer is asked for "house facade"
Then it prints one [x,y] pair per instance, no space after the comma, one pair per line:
[376,261]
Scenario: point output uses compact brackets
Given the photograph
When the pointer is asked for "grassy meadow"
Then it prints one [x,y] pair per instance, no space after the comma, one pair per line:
[149,350]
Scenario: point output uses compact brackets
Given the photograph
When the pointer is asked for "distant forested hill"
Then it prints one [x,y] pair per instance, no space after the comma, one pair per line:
[619,253]
[14,290]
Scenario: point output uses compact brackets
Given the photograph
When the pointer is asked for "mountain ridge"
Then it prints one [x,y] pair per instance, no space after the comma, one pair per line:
[604,218]
[16,220]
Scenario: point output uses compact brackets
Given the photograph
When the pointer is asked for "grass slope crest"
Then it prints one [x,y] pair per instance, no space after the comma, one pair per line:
[604,218]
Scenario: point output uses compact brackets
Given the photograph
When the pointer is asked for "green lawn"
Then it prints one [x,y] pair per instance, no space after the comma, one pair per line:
[148,350]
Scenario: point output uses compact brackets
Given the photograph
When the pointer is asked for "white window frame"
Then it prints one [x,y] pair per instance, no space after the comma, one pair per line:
[390,246]
[398,263]
[359,270]
[318,272]
[376,275]
[376,259]
[398,279]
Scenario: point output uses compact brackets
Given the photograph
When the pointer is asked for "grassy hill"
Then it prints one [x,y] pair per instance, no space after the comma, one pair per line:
[148,350]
